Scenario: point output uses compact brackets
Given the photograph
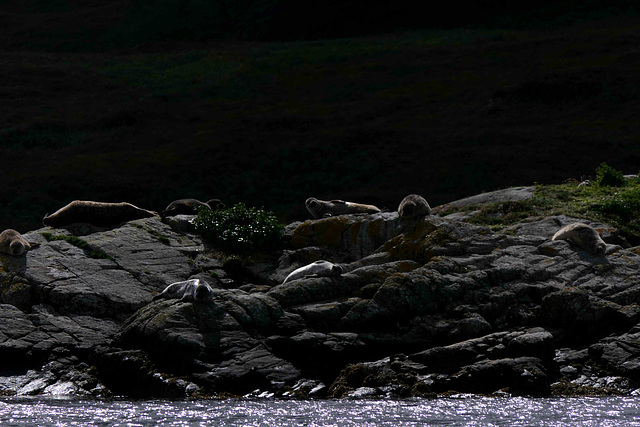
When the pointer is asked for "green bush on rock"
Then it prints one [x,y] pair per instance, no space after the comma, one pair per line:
[239,229]
[606,176]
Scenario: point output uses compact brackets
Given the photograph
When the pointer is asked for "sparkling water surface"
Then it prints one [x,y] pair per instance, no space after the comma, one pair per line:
[467,411]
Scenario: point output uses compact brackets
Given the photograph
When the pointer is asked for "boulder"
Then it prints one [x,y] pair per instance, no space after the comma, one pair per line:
[512,194]
[620,354]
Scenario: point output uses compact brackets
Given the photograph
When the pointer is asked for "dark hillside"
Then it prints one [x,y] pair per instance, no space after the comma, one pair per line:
[444,113]
[85,25]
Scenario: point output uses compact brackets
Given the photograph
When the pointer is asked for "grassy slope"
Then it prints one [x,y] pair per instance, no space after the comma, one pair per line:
[369,119]
[616,205]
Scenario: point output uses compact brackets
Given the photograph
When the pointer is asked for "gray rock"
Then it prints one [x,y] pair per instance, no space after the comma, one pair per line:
[506,195]
[359,235]
[581,316]
[310,290]
[180,223]
[522,376]
[620,354]
[178,332]
[535,344]
[255,368]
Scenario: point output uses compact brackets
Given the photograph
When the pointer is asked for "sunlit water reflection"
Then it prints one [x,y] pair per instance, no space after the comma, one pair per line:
[469,411]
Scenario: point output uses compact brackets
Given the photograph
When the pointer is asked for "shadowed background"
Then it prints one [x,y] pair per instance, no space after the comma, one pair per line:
[270,102]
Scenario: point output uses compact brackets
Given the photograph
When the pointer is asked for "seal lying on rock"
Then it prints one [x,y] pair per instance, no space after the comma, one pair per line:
[12,243]
[96,213]
[413,206]
[194,290]
[322,208]
[319,268]
[583,236]
[189,207]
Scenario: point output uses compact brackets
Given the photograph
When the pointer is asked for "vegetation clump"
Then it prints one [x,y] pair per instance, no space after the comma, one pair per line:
[606,176]
[239,229]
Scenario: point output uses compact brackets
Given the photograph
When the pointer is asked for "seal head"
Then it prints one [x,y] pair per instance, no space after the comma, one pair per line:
[12,243]
[413,206]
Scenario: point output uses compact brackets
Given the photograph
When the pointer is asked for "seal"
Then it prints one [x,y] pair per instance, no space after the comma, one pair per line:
[322,208]
[96,213]
[192,290]
[189,207]
[413,206]
[319,268]
[12,243]
[583,236]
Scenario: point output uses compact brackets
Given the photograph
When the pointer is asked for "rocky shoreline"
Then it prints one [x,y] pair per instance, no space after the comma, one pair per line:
[424,307]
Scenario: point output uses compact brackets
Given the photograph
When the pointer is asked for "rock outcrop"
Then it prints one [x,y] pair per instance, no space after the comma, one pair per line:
[423,307]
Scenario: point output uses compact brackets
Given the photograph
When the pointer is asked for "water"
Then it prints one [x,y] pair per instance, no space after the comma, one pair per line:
[469,411]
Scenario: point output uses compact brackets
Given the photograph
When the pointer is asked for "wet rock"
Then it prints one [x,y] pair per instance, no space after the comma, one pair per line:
[371,379]
[62,375]
[620,354]
[257,367]
[537,344]
[306,388]
[132,373]
[220,338]
[522,376]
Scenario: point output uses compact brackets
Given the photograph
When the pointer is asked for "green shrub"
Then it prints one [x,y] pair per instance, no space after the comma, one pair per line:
[239,229]
[606,176]
[626,205]
[621,210]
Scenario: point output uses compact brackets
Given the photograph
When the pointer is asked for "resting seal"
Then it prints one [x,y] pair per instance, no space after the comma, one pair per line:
[189,207]
[413,206]
[96,213]
[12,243]
[194,290]
[319,268]
[322,208]
[583,236]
